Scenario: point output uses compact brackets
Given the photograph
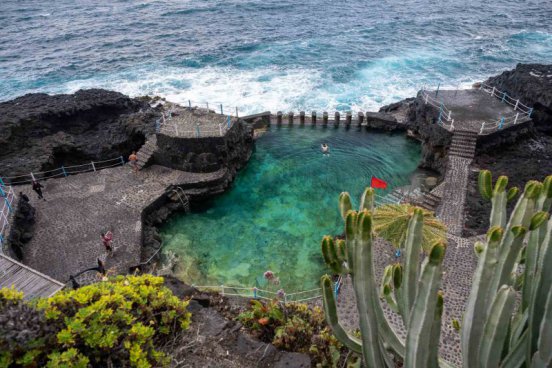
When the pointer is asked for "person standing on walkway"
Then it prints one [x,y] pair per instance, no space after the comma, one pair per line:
[133,159]
[37,187]
[107,238]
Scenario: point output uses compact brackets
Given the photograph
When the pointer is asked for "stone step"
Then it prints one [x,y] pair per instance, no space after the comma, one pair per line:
[462,155]
[461,152]
[462,148]
[464,141]
[434,196]
[146,149]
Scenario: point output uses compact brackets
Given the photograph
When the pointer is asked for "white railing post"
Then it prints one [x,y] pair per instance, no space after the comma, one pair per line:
[482,127]
[176,129]
[517,103]
[515,120]
[220,129]
[32,176]
[492,92]
[449,115]
[93,166]
[452,125]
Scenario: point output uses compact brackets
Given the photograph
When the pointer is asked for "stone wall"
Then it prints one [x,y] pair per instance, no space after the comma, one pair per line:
[422,124]
[207,154]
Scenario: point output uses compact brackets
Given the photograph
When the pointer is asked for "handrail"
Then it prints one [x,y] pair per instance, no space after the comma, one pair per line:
[164,125]
[63,171]
[7,208]
[503,96]
[255,293]
[445,115]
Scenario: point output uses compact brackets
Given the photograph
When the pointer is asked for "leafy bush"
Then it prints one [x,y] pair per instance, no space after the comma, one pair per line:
[119,322]
[293,327]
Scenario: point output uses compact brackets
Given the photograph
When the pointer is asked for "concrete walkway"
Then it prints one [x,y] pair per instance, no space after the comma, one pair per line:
[78,208]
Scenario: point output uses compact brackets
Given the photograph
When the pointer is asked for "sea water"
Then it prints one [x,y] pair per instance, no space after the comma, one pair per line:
[270,54]
[282,204]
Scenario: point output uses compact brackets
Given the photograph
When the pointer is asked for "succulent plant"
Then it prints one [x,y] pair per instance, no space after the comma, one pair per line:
[495,331]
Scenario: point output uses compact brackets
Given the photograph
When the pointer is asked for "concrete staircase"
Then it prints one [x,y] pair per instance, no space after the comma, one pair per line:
[463,144]
[145,154]
[429,201]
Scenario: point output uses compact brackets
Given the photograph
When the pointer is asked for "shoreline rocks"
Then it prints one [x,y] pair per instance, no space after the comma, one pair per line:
[39,132]
[532,84]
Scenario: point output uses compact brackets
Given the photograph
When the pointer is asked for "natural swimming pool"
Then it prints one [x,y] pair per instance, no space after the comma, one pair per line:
[282,203]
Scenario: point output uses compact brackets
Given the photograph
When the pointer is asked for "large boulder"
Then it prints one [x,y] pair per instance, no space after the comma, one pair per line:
[40,132]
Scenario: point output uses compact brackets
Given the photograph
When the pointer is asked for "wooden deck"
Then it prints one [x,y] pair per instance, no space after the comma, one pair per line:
[31,282]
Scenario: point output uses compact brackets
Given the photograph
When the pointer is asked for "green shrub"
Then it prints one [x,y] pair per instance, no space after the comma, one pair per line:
[119,322]
[293,327]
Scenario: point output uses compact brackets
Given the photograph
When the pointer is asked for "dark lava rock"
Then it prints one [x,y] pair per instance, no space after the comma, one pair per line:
[527,159]
[293,360]
[532,84]
[40,132]
[179,288]
[21,231]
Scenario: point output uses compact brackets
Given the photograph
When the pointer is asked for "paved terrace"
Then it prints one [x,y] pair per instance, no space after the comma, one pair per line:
[78,208]
[471,107]
[194,122]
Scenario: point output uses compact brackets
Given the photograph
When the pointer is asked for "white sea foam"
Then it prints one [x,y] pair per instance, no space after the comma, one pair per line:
[270,88]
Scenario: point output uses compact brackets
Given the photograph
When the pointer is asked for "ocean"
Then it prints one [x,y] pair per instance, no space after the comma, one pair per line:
[266,55]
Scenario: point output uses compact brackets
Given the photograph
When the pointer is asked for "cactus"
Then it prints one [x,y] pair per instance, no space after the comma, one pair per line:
[412,292]
[495,330]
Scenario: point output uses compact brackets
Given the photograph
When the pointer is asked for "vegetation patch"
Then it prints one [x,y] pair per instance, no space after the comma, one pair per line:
[119,322]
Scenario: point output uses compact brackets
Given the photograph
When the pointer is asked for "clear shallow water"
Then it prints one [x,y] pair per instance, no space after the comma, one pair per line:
[281,205]
[269,54]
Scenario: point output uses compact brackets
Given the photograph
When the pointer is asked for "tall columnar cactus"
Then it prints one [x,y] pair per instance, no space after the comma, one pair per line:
[495,331]
[419,301]
[523,336]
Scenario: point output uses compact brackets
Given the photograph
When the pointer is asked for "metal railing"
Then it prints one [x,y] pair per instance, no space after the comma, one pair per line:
[8,196]
[445,115]
[523,112]
[503,122]
[256,293]
[63,171]
[166,125]
[503,96]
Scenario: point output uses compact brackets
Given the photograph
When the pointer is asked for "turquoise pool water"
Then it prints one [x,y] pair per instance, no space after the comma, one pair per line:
[281,205]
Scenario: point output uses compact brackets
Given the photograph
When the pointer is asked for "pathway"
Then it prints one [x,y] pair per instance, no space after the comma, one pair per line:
[33,284]
[78,208]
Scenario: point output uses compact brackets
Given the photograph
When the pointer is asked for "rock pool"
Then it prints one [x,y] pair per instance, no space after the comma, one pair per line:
[282,203]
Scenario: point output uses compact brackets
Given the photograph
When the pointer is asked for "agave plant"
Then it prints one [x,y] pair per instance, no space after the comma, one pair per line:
[495,331]
[391,223]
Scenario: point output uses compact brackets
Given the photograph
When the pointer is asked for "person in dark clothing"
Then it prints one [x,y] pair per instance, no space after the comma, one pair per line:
[37,187]
[23,196]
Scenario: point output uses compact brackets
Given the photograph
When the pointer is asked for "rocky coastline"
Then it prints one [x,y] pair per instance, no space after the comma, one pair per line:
[93,124]
[41,132]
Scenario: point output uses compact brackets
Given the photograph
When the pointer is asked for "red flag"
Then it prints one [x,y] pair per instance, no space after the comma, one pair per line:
[378,183]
